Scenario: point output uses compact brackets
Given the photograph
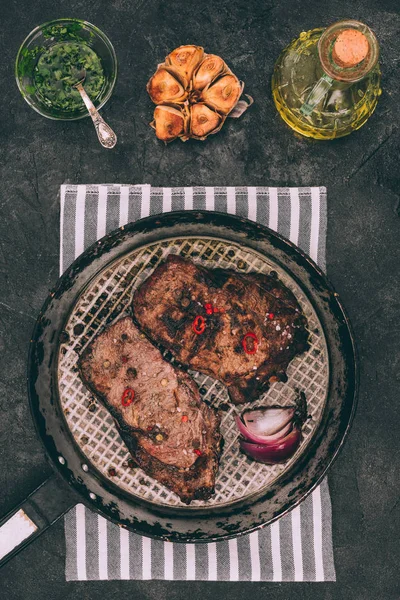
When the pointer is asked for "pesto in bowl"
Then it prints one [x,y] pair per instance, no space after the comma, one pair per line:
[54,57]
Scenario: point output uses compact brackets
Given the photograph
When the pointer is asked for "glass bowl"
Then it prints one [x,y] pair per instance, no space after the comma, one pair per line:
[47,35]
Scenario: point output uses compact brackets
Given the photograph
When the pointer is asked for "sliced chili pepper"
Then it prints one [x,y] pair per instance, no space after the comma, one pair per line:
[198,452]
[209,308]
[185,419]
[252,336]
[271,316]
[127,397]
[199,325]
[112,472]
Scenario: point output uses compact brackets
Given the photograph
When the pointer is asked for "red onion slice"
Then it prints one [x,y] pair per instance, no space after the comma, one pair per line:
[268,420]
[274,452]
[262,439]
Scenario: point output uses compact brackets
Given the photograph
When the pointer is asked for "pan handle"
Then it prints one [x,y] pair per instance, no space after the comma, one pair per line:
[24,523]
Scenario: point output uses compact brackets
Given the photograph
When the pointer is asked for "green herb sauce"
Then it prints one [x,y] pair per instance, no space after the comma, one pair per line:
[60,67]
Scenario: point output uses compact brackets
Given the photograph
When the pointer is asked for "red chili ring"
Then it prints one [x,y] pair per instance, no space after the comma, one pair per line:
[255,343]
[127,397]
[199,325]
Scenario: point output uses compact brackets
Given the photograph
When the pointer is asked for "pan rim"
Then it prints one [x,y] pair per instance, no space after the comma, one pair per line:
[142,226]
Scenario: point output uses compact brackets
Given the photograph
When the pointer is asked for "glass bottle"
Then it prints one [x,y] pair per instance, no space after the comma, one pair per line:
[326,83]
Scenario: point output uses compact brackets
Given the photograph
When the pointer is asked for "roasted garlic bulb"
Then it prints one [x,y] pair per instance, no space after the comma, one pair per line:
[194,93]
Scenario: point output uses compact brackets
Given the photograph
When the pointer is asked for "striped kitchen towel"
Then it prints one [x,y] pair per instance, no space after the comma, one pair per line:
[297,547]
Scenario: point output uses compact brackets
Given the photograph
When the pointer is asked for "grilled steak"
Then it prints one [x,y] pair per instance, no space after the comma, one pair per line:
[255,329]
[173,436]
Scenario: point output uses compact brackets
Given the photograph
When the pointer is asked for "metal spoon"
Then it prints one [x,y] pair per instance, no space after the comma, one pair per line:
[106,135]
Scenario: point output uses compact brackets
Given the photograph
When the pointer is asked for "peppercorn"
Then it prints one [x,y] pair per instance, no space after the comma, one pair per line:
[64,337]
[132,372]
[185,302]
[78,329]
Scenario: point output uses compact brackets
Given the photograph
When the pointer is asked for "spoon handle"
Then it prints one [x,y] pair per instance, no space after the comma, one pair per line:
[106,135]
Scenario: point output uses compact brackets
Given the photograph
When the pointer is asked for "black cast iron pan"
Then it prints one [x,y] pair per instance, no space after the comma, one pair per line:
[95,290]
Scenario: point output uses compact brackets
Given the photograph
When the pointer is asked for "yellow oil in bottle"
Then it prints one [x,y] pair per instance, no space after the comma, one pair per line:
[346,104]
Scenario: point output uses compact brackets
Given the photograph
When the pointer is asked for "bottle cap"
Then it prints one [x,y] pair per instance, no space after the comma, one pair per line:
[350,48]
[348,51]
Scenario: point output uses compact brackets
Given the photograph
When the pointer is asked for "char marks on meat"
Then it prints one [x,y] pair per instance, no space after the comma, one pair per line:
[173,436]
[167,303]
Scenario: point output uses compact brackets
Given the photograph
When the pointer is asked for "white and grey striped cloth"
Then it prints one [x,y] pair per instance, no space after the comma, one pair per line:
[297,547]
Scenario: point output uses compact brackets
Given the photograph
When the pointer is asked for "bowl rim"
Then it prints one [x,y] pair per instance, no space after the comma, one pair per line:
[99,33]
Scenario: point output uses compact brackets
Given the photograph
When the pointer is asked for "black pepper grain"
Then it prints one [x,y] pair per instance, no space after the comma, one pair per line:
[64,337]
[78,329]
[185,302]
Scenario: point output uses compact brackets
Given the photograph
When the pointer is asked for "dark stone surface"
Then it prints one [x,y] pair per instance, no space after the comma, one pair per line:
[362,176]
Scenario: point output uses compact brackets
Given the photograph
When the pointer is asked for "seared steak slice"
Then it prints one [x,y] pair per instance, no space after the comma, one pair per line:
[173,436]
[168,302]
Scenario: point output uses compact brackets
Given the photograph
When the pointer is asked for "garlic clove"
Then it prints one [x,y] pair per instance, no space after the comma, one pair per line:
[184,60]
[163,87]
[204,121]
[169,123]
[211,67]
[223,94]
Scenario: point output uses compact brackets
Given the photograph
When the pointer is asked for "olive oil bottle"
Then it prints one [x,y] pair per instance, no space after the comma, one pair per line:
[326,83]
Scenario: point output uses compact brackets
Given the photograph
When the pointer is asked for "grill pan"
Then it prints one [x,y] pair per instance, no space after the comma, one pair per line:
[80,436]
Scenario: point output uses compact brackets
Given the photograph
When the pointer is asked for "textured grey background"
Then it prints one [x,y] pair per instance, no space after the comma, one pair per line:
[362,176]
